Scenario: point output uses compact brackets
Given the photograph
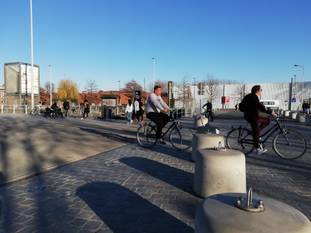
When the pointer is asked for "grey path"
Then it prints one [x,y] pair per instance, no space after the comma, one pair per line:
[32,145]
[130,189]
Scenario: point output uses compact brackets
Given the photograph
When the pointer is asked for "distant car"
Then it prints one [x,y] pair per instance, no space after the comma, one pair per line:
[271,104]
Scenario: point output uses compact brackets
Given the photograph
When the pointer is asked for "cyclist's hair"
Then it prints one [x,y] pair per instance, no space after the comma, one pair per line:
[255,89]
[156,87]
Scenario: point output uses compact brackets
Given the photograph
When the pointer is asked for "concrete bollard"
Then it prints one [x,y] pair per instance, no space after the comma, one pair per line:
[204,141]
[200,121]
[286,113]
[308,120]
[219,171]
[293,115]
[222,214]
[208,129]
[26,109]
[301,118]
[14,109]
[2,108]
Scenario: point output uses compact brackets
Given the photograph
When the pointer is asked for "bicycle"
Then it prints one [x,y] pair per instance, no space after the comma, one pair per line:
[180,137]
[287,143]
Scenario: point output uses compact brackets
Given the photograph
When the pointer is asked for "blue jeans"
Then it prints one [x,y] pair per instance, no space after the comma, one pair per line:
[129,117]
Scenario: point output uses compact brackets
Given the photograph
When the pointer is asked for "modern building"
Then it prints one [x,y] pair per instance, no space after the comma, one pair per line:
[226,96]
[18,84]
[2,94]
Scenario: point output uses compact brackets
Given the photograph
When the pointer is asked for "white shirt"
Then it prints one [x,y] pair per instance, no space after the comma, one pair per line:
[129,108]
[155,103]
[136,104]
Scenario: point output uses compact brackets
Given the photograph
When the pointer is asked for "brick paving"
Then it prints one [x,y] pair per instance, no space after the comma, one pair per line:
[135,190]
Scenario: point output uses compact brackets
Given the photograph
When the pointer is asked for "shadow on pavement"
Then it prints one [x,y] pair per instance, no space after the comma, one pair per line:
[168,150]
[124,211]
[111,135]
[173,176]
[291,166]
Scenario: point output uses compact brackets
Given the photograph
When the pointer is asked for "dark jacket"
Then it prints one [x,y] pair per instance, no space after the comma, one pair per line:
[252,106]
[208,106]
[66,105]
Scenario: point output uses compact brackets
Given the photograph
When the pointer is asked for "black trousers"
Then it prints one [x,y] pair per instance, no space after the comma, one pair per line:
[257,124]
[160,119]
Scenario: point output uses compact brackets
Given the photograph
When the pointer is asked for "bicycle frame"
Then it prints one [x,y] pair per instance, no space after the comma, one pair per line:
[276,127]
[173,125]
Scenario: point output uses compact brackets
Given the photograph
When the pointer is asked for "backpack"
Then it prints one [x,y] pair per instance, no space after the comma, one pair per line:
[242,106]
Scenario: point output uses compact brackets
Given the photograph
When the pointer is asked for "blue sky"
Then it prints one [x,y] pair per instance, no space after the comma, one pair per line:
[111,40]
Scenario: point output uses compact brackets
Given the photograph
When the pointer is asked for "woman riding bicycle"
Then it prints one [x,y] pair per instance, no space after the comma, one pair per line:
[156,110]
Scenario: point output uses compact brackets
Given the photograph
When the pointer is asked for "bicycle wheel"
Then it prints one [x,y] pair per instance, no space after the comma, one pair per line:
[146,135]
[240,139]
[289,144]
[181,138]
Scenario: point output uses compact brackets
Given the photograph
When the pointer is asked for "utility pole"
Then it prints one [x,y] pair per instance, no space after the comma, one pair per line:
[32,59]
[51,91]
[154,72]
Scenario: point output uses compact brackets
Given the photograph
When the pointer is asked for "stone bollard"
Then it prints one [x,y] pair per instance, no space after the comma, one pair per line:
[200,121]
[228,213]
[301,118]
[204,141]
[208,129]
[219,171]
[2,108]
[294,115]
[286,113]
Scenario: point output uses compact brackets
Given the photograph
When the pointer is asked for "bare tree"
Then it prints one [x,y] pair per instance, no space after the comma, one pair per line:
[131,86]
[240,91]
[47,87]
[211,86]
[91,90]
[183,92]
[91,87]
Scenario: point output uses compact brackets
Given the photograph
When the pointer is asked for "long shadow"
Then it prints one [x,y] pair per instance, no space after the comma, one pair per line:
[126,212]
[168,150]
[114,136]
[293,166]
[176,177]
[43,203]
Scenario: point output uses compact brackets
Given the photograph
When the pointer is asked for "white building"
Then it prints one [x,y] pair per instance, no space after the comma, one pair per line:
[235,92]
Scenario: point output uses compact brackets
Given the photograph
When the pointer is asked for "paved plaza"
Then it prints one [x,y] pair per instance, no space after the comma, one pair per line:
[129,189]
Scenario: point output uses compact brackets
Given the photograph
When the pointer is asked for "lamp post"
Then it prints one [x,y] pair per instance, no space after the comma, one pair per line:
[51,91]
[302,78]
[153,72]
[194,102]
[31,57]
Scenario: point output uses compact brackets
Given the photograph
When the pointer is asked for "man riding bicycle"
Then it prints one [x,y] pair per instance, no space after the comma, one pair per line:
[254,114]
[156,110]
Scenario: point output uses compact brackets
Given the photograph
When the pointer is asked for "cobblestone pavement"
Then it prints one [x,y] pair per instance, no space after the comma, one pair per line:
[133,190]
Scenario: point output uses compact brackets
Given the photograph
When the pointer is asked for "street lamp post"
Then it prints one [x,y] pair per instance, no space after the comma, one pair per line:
[302,78]
[194,102]
[51,91]
[153,73]
[31,57]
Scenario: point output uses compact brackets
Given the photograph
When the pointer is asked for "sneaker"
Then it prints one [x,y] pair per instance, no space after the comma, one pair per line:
[261,151]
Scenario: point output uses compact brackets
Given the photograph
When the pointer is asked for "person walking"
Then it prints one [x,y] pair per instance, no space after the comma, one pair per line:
[129,111]
[86,109]
[209,111]
[66,106]
[136,110]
